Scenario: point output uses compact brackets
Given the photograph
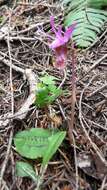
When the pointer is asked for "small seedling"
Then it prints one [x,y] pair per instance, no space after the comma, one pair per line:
[47,91]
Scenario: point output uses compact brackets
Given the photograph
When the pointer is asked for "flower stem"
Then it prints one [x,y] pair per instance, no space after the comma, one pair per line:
[73,99]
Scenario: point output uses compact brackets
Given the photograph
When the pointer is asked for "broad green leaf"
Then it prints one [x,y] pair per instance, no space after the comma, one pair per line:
[48,79]
[32,143]
[54,142]
[36,143]
[24,169]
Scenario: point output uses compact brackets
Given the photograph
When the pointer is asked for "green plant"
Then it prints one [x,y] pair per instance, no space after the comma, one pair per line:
[89,16]
[24,169]
[36,143]
[47,91]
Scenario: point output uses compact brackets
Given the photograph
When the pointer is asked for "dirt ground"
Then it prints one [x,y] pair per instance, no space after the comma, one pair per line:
[82,163]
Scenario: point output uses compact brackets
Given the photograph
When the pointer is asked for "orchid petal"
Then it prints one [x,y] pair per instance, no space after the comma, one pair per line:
[52,23]
[69,32]
[57,43]
[59,32]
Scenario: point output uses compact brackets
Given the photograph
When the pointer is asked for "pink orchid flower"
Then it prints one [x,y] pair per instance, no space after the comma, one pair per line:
[60,42]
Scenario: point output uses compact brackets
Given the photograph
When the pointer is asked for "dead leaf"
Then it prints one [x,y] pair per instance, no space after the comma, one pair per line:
[101,168]
[67,187]
[57,120]
[86,163]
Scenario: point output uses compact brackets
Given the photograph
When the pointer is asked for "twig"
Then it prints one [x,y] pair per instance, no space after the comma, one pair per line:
[97,40]
[16,68]
[82,124]
[94,65]
[32,94]
[32,27]
[4,185]
[13,59]
[64,78]
[96,124]
[61,110]
[32,79]
[103,183]
[15,116]
[12,107]
[10,62]
[4,37]
[98,90]
[6,158]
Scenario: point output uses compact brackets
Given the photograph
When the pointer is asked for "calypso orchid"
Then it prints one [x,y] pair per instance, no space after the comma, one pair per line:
[59,44]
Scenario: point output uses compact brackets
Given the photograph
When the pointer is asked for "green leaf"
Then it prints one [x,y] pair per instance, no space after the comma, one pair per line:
[24,169]
[98,4]
[48,79]
[32,143]
[47,91]
[90,19]
[54,142]
[54,95]
[41,96]
[36,143]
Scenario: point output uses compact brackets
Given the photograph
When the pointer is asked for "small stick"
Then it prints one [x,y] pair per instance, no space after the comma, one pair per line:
[81,118]
[64,78]
[97,40]
[6,157]
[94,65]
[98,90]
[10,61]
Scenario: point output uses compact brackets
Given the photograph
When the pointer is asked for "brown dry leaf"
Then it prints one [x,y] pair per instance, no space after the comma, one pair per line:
[67,187]
[101,168]
[57,120]
[92,165]
[86,163]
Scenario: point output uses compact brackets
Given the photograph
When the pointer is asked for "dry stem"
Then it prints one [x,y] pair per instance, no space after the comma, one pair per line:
[73,100]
